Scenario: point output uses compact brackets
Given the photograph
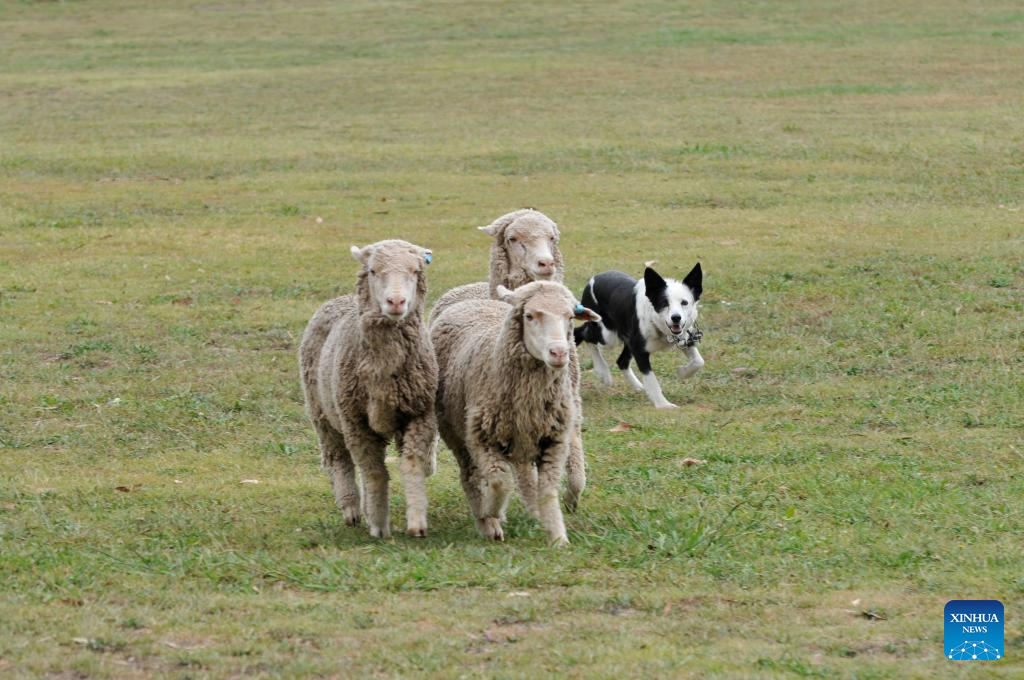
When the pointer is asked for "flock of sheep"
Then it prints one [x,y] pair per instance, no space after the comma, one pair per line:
[495,374]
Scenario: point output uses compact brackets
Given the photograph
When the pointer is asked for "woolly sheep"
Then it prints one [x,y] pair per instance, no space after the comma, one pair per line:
[525,249]
[369,376]
[506,403]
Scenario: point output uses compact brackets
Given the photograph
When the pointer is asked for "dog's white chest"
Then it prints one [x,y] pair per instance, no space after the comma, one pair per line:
[655,344]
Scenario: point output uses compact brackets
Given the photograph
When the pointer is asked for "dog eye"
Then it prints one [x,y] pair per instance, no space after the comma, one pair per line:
[684,303]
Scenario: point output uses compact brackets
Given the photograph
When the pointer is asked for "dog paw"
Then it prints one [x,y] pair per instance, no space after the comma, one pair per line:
[666,405]
[605,378]
[687,371]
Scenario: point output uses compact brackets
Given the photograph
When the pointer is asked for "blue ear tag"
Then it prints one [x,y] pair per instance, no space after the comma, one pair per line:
[579,310]
[428,257]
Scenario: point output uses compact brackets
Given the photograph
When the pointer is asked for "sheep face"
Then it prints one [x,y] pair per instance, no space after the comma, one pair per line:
[545,312]
[393,275]
[528,240]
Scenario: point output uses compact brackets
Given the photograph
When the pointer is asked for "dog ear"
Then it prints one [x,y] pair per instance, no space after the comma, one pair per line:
[654,286]
[695,281]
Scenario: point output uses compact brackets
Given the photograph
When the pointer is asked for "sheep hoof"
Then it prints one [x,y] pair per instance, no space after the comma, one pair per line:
[490,527]
[352,517]
[571,499]
[417,532]
[559,542]
[380,532]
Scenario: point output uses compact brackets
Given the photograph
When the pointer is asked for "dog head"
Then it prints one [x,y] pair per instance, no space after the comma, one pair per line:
[674,302]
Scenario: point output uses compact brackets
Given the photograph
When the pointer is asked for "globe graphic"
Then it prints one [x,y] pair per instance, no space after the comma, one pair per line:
[974,650]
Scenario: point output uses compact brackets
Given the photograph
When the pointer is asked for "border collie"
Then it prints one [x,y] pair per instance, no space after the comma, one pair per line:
[646,316]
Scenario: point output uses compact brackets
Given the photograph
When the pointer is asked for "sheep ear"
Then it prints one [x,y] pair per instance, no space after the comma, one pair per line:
[584,314]
[490,229]
[504,294]
[360,254]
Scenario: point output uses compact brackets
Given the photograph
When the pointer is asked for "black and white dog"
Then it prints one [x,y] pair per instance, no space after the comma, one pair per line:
[646,316]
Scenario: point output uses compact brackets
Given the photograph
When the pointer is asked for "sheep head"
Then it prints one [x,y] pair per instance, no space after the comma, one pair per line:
[392,282]
[525,249]
[542,314]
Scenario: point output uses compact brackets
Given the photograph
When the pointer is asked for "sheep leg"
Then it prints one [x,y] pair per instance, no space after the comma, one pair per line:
[577,469]
[432,463]
[467,472]
[526,472]
[576,464]
[494,479]
[549,478]
[368,450]
[416,445]
[693,367]
[337,460]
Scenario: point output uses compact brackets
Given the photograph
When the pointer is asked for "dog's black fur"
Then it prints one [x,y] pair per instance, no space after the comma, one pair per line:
[612,294]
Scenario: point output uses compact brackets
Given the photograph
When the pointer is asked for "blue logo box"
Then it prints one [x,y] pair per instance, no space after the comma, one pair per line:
[974,630]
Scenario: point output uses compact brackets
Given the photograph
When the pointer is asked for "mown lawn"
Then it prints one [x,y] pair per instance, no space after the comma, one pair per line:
[179,187]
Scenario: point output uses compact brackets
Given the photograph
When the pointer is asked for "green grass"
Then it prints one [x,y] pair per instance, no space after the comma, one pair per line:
[851,176]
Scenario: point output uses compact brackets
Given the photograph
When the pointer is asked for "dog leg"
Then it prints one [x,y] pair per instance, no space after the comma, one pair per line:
[653,389]
[623,364]
[693,367]
[600,365]
[650,382]
[633,380]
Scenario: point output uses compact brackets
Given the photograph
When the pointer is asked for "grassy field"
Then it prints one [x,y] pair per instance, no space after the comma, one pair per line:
[179,187]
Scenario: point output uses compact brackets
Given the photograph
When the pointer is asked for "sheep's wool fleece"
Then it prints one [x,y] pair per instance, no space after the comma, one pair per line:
[357,364]
[502,272]
[491,383]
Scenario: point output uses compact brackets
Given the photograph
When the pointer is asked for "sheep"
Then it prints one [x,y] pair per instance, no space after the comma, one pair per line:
[369,375]
[525,249]
[506,403]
